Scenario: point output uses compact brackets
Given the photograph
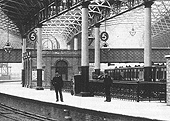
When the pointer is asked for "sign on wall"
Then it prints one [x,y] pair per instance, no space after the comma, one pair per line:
[34,75]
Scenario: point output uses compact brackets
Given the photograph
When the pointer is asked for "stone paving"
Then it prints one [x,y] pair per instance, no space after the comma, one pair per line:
[152,110]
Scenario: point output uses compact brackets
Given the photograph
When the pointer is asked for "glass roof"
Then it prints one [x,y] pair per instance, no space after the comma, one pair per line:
[67,25]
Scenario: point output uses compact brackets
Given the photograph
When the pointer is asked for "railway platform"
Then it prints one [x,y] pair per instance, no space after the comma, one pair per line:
[91,108]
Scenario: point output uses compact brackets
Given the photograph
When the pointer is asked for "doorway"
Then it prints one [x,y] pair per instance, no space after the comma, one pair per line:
[62,68]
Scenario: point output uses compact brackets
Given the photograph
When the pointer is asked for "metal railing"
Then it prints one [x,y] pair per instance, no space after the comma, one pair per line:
[128,90]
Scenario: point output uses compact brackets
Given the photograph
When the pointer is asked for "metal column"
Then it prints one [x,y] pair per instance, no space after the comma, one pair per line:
[147,43]
[39,58]
[23,51]
[85,51]
[97,50]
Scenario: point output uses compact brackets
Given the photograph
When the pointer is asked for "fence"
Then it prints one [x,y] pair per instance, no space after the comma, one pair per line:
[128,90]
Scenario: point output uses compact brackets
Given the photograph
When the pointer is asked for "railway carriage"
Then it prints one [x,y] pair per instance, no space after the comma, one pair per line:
[158,73]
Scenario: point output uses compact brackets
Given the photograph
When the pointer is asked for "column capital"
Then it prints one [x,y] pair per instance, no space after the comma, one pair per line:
[75,36]
[85,4]
[97,25]
[24,36]
[148,4]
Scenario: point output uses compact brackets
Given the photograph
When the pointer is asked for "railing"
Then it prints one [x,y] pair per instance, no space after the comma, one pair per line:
[136,91]
[128,90]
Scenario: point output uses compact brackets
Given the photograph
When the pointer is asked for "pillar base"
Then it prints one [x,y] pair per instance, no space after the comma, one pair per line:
[39,88]
[85,79]
[148,74]
[23,77]
[39,79]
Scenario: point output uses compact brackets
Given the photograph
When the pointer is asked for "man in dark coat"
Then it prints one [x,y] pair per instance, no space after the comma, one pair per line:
[58,84]
[107,85]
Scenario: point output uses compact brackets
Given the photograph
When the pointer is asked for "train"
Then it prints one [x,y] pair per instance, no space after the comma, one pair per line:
[158,73]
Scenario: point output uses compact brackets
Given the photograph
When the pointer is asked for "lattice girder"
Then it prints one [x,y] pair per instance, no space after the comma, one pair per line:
[95,10]
[98,11]
[67,15]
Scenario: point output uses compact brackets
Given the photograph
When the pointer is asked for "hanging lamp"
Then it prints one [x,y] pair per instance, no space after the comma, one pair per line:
[132,32]
[8,46]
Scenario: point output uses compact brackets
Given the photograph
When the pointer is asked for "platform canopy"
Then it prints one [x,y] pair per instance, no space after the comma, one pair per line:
[63,17]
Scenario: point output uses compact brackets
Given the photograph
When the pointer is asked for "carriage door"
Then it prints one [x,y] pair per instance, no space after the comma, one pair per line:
[62,68]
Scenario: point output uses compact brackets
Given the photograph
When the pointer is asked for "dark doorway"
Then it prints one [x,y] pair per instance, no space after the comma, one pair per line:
[62,68]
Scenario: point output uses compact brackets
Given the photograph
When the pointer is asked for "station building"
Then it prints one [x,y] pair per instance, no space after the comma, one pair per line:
[78,37]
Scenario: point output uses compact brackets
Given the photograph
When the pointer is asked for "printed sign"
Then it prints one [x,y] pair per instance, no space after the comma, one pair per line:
[34,75]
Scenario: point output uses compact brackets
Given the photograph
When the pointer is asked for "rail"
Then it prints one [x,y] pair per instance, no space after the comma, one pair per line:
[13,114]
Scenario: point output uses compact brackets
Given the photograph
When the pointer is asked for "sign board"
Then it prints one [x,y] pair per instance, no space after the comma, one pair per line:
[34,75]
[104,36]
[32,36]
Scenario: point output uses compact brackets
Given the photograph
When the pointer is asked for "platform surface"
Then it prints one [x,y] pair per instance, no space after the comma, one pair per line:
[152,110]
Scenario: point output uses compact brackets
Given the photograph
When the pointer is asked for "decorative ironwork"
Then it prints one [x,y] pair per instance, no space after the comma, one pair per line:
[26,15]
[136,91]
[111,56]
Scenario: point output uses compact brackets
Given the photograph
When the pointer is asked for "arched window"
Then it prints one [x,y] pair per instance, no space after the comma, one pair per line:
[47,44]
[62,68]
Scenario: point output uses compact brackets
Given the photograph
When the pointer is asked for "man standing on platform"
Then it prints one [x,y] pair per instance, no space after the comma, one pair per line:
[58,84]
[107,85]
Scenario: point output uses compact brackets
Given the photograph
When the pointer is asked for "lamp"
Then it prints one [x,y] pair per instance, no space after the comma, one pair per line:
[132,32]
[8,46]
[105,44]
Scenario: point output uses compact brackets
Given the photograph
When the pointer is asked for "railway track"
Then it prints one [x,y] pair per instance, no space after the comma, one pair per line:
[11,114]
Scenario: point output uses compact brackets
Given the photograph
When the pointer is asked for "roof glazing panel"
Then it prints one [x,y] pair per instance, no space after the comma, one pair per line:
[69,24]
